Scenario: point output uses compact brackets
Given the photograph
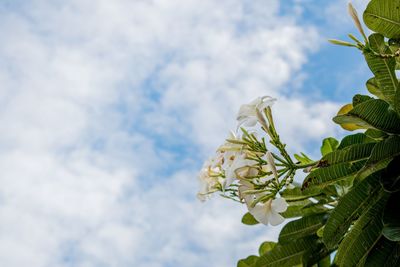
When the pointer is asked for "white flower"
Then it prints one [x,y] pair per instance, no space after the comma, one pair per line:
[268,212]
[230,150]
[243,187]
[233,143]
[209,179]
[247,115]
[236,168]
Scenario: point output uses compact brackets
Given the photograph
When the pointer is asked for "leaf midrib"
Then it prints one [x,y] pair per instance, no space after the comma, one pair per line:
[383,18]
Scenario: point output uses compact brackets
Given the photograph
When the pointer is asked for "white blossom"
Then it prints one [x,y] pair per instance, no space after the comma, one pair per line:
[236,168]
[248,114]
[209,178]
[268,212]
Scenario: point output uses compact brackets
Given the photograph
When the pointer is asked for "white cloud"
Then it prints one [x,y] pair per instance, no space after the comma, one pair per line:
[93,96]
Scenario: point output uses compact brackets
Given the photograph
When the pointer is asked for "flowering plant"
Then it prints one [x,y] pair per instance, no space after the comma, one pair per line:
[347,205]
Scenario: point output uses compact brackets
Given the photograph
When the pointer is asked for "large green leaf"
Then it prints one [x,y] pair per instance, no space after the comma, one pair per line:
[358,99]
[329,144]
[388,148]
[290,254]
[302,227]
[353,139]
[391,176]
[349,154]
[362,237]
[350,207]
[373,113]
[328,175]
[391,218]
[381,155]
[385,253]
[383,16]
[382,67]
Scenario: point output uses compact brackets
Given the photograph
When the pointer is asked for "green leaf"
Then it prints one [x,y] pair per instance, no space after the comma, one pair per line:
[391,218]
[373,113]
[376,134]
[383,16]
[265,247]
[328,175]
[249,219]
[391,176]
[358,99]
[290,254]
[329,144]
[302,227]
[250,261]
[351,153]
[349,208]
[353,139]
[373,88]
[362,237]
[381,155]
[385,253]
[382,67]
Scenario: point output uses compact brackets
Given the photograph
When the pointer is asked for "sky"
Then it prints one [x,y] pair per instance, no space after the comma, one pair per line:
[109,108]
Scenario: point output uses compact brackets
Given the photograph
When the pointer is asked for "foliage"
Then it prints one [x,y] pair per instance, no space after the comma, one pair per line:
[346,212]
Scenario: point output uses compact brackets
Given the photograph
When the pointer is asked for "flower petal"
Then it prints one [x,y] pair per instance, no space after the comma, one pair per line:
[267,101]
[246,111]
[275,218]
[279,205]
[260,213]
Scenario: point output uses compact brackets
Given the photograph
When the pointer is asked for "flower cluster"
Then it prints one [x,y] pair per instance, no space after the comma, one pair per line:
[245,170]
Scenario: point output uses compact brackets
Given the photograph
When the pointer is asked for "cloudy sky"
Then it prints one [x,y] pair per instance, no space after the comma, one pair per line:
[109,108]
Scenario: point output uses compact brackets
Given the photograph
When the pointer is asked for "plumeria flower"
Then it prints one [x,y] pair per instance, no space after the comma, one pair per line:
[268,212]
[230,150]
[234,171]
[249,114]
[244,186]
[233,143]
[210,178]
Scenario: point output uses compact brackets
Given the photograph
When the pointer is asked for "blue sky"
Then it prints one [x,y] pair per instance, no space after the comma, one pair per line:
[109,108]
